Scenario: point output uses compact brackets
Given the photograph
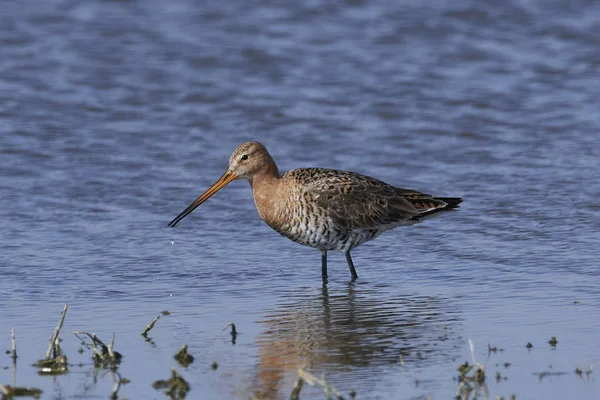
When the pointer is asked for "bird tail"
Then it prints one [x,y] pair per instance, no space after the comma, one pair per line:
[452,202]
[442,203]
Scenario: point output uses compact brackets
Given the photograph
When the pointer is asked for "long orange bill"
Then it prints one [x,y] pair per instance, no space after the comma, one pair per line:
[224,180]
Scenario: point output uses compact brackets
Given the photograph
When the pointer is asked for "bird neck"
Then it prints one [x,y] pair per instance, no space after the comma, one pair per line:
[265,189]
[267,175]
[265,183]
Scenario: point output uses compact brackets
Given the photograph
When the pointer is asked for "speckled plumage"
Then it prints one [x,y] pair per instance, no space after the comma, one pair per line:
[324,208]
[340,210]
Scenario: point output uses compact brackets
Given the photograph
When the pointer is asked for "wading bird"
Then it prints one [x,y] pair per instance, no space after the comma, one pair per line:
[323,208]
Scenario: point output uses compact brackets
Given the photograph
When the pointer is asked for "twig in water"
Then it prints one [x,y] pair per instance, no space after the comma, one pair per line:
[110,347]
[95,341]
[114,395]
[478,378]
[55,363]
[54,339]
[150,326]
[107,354]
[14,345]
[314,381]
[14,358]
[297,388]
[234,332]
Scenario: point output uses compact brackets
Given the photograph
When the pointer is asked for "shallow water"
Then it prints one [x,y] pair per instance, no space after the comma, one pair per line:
[117,114]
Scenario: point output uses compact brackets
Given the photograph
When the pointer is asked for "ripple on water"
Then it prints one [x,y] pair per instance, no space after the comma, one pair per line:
[116,115]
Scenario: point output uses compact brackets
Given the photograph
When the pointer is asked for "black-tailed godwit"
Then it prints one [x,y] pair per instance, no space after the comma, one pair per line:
[323,208]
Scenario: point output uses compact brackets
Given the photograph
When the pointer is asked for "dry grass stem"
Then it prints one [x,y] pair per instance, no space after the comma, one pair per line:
[314,381]
[14,344]
[297,388]
[54,340]
[150,326]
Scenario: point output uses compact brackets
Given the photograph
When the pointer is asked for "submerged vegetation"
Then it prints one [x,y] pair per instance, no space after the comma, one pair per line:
[175,387]
[55,362]
[472,378]
[183,357]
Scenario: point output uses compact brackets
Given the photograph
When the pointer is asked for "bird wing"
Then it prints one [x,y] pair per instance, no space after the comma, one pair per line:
[355,201]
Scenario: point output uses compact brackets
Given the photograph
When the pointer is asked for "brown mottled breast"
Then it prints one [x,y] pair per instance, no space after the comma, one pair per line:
[272,200]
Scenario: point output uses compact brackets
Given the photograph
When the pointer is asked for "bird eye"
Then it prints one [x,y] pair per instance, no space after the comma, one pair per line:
[244,157]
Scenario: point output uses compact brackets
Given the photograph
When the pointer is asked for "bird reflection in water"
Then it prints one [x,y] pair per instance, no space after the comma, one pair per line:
[351,328]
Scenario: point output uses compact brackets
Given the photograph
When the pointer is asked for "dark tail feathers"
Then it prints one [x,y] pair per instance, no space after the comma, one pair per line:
[451,202]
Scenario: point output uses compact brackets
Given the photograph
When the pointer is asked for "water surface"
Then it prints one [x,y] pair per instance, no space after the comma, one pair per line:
[116,114]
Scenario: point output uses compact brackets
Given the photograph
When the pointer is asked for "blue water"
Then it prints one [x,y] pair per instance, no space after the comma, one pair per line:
[115,115]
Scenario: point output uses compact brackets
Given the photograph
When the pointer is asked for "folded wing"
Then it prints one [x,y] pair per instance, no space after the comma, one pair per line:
[356,201]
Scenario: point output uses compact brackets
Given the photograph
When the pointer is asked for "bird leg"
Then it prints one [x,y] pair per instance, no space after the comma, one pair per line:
[324,264]
[351,266]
